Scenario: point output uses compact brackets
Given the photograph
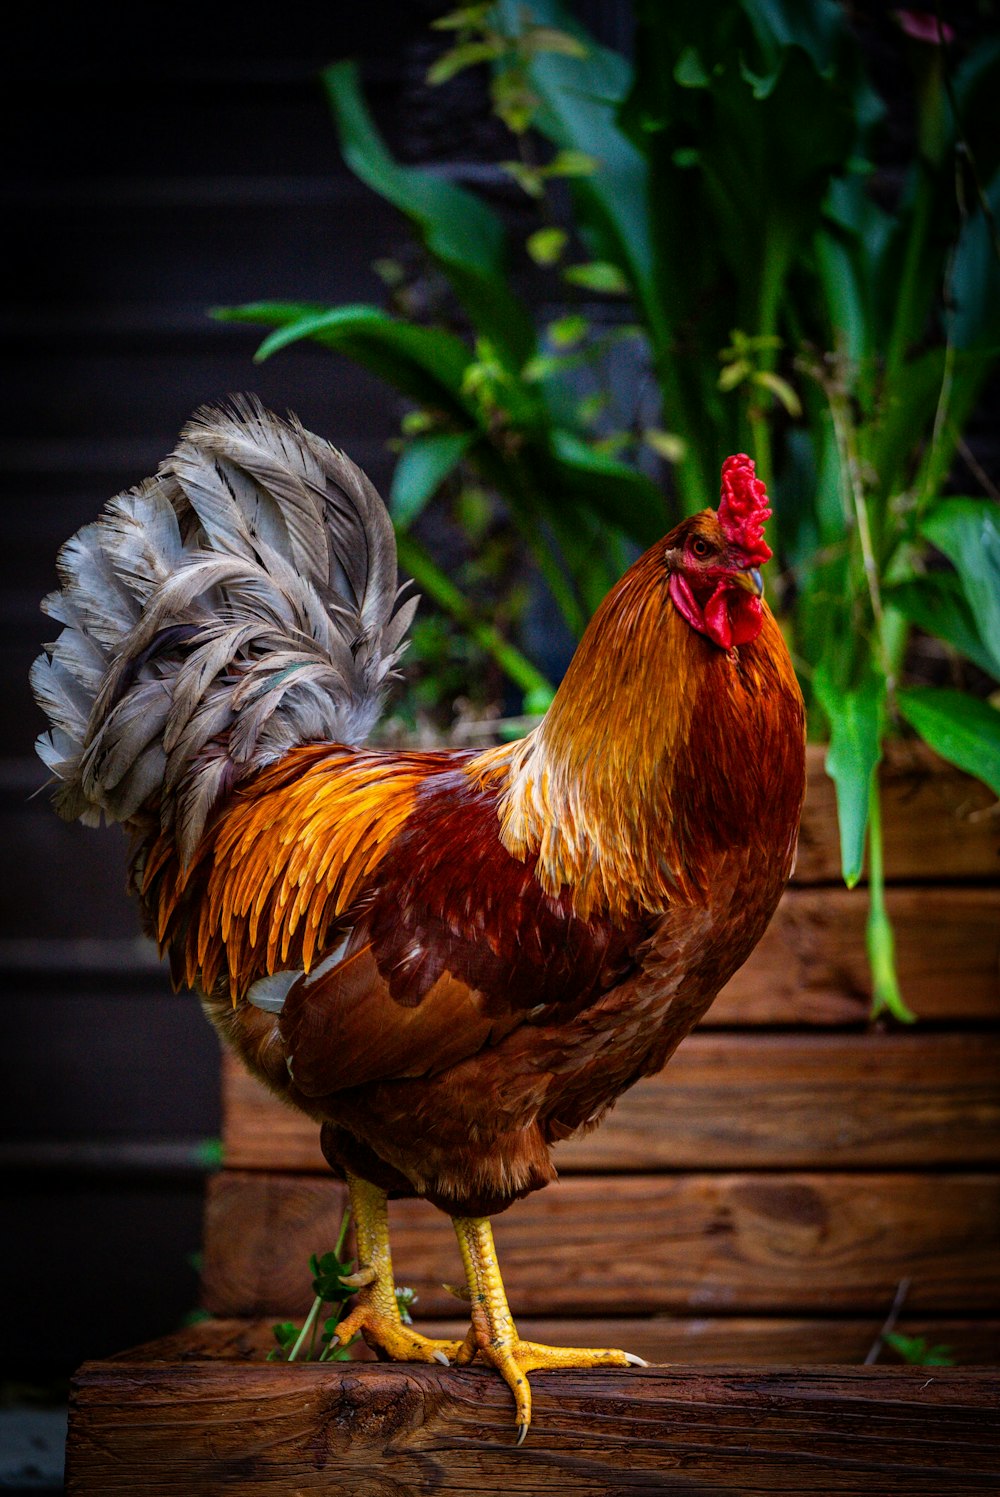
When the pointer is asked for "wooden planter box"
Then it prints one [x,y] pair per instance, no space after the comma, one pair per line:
[756,1205]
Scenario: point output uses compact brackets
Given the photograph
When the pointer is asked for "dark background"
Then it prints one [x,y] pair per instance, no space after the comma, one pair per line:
[162,160]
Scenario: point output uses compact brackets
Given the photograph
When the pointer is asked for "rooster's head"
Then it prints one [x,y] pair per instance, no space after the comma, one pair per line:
[713,560]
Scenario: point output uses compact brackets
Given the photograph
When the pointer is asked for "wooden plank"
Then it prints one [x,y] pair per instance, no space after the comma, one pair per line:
[936,821]
[732,1101]
[374,1429]
[631,1244]
[706,1341]
[811,966]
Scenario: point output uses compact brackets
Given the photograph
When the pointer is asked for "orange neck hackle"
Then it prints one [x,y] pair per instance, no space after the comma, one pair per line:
[586,790]
[656,740]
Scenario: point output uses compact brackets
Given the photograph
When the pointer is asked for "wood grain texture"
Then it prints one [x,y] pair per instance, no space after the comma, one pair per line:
[811,966]
[632,1244]
[733,1101]
[377,1430]
[938,824]
[704,1341]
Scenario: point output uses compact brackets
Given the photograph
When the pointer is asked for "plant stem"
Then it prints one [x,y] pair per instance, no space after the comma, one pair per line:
[345,1222]
[856,504]
[310,1322]
[889,1325]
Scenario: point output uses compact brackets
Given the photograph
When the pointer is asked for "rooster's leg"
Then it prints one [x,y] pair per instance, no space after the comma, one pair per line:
[376,1310]
[493,1335]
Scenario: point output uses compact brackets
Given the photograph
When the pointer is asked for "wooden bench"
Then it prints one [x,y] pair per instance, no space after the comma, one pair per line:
[752,1211]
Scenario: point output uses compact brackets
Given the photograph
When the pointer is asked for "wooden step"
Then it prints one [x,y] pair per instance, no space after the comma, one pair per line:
[693,1341]
[735,1101]
[795,1243]
[201,1427]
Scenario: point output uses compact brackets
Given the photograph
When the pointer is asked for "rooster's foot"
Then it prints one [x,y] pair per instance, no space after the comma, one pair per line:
[375,1313]
[501,1347]
[493,1336]
[382,1327]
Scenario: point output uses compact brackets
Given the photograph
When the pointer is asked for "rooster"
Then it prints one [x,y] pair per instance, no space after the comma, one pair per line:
[450,960]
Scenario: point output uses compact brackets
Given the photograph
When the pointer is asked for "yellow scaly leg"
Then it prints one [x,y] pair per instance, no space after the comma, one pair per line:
[376,1311]
[493,1335]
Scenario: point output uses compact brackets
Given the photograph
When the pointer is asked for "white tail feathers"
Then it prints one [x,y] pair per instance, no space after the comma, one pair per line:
[238,604]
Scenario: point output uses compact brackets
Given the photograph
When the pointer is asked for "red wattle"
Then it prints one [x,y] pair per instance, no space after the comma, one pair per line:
[729,617]
[717,625]
[685,602]
[746,618]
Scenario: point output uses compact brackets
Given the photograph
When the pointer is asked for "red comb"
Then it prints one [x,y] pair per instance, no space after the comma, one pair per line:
[743,508]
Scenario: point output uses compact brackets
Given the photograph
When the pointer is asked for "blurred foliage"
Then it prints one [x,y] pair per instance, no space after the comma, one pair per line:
[729,271]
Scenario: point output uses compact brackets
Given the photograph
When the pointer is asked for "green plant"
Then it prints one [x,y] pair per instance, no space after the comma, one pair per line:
[706,221]
[316,1339]
[308,1341]
[917,1351]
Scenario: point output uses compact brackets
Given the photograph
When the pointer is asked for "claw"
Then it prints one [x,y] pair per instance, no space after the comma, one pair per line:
[522,1434]
[633,1360]
[459,1291]
[360,1279]
[439,1356]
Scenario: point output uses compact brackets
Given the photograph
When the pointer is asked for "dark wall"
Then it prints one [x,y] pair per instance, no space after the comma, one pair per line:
[151,176]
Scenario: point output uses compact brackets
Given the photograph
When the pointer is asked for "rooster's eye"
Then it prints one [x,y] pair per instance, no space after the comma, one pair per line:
[699,547]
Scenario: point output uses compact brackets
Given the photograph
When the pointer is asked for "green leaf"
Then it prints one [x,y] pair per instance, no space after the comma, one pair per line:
[458,228]
[460,231]
[425,363]
[328,1272]
[961,728]
[780,389]
[667,443]
[880,939]
[464,16]
[598,275]
[689,70]
[571,164]
[734,374]
[621,496]
[975,279]
[285,1333]
[579,98]
[968,532]
[457,59]
[936,604]
[917,1351]
[779,24]
[545,246]
[530,179]
[567,331]
[423,467]
[551,39]
[855,715]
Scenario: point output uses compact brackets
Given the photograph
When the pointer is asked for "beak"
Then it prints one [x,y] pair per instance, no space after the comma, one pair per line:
[751,581]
